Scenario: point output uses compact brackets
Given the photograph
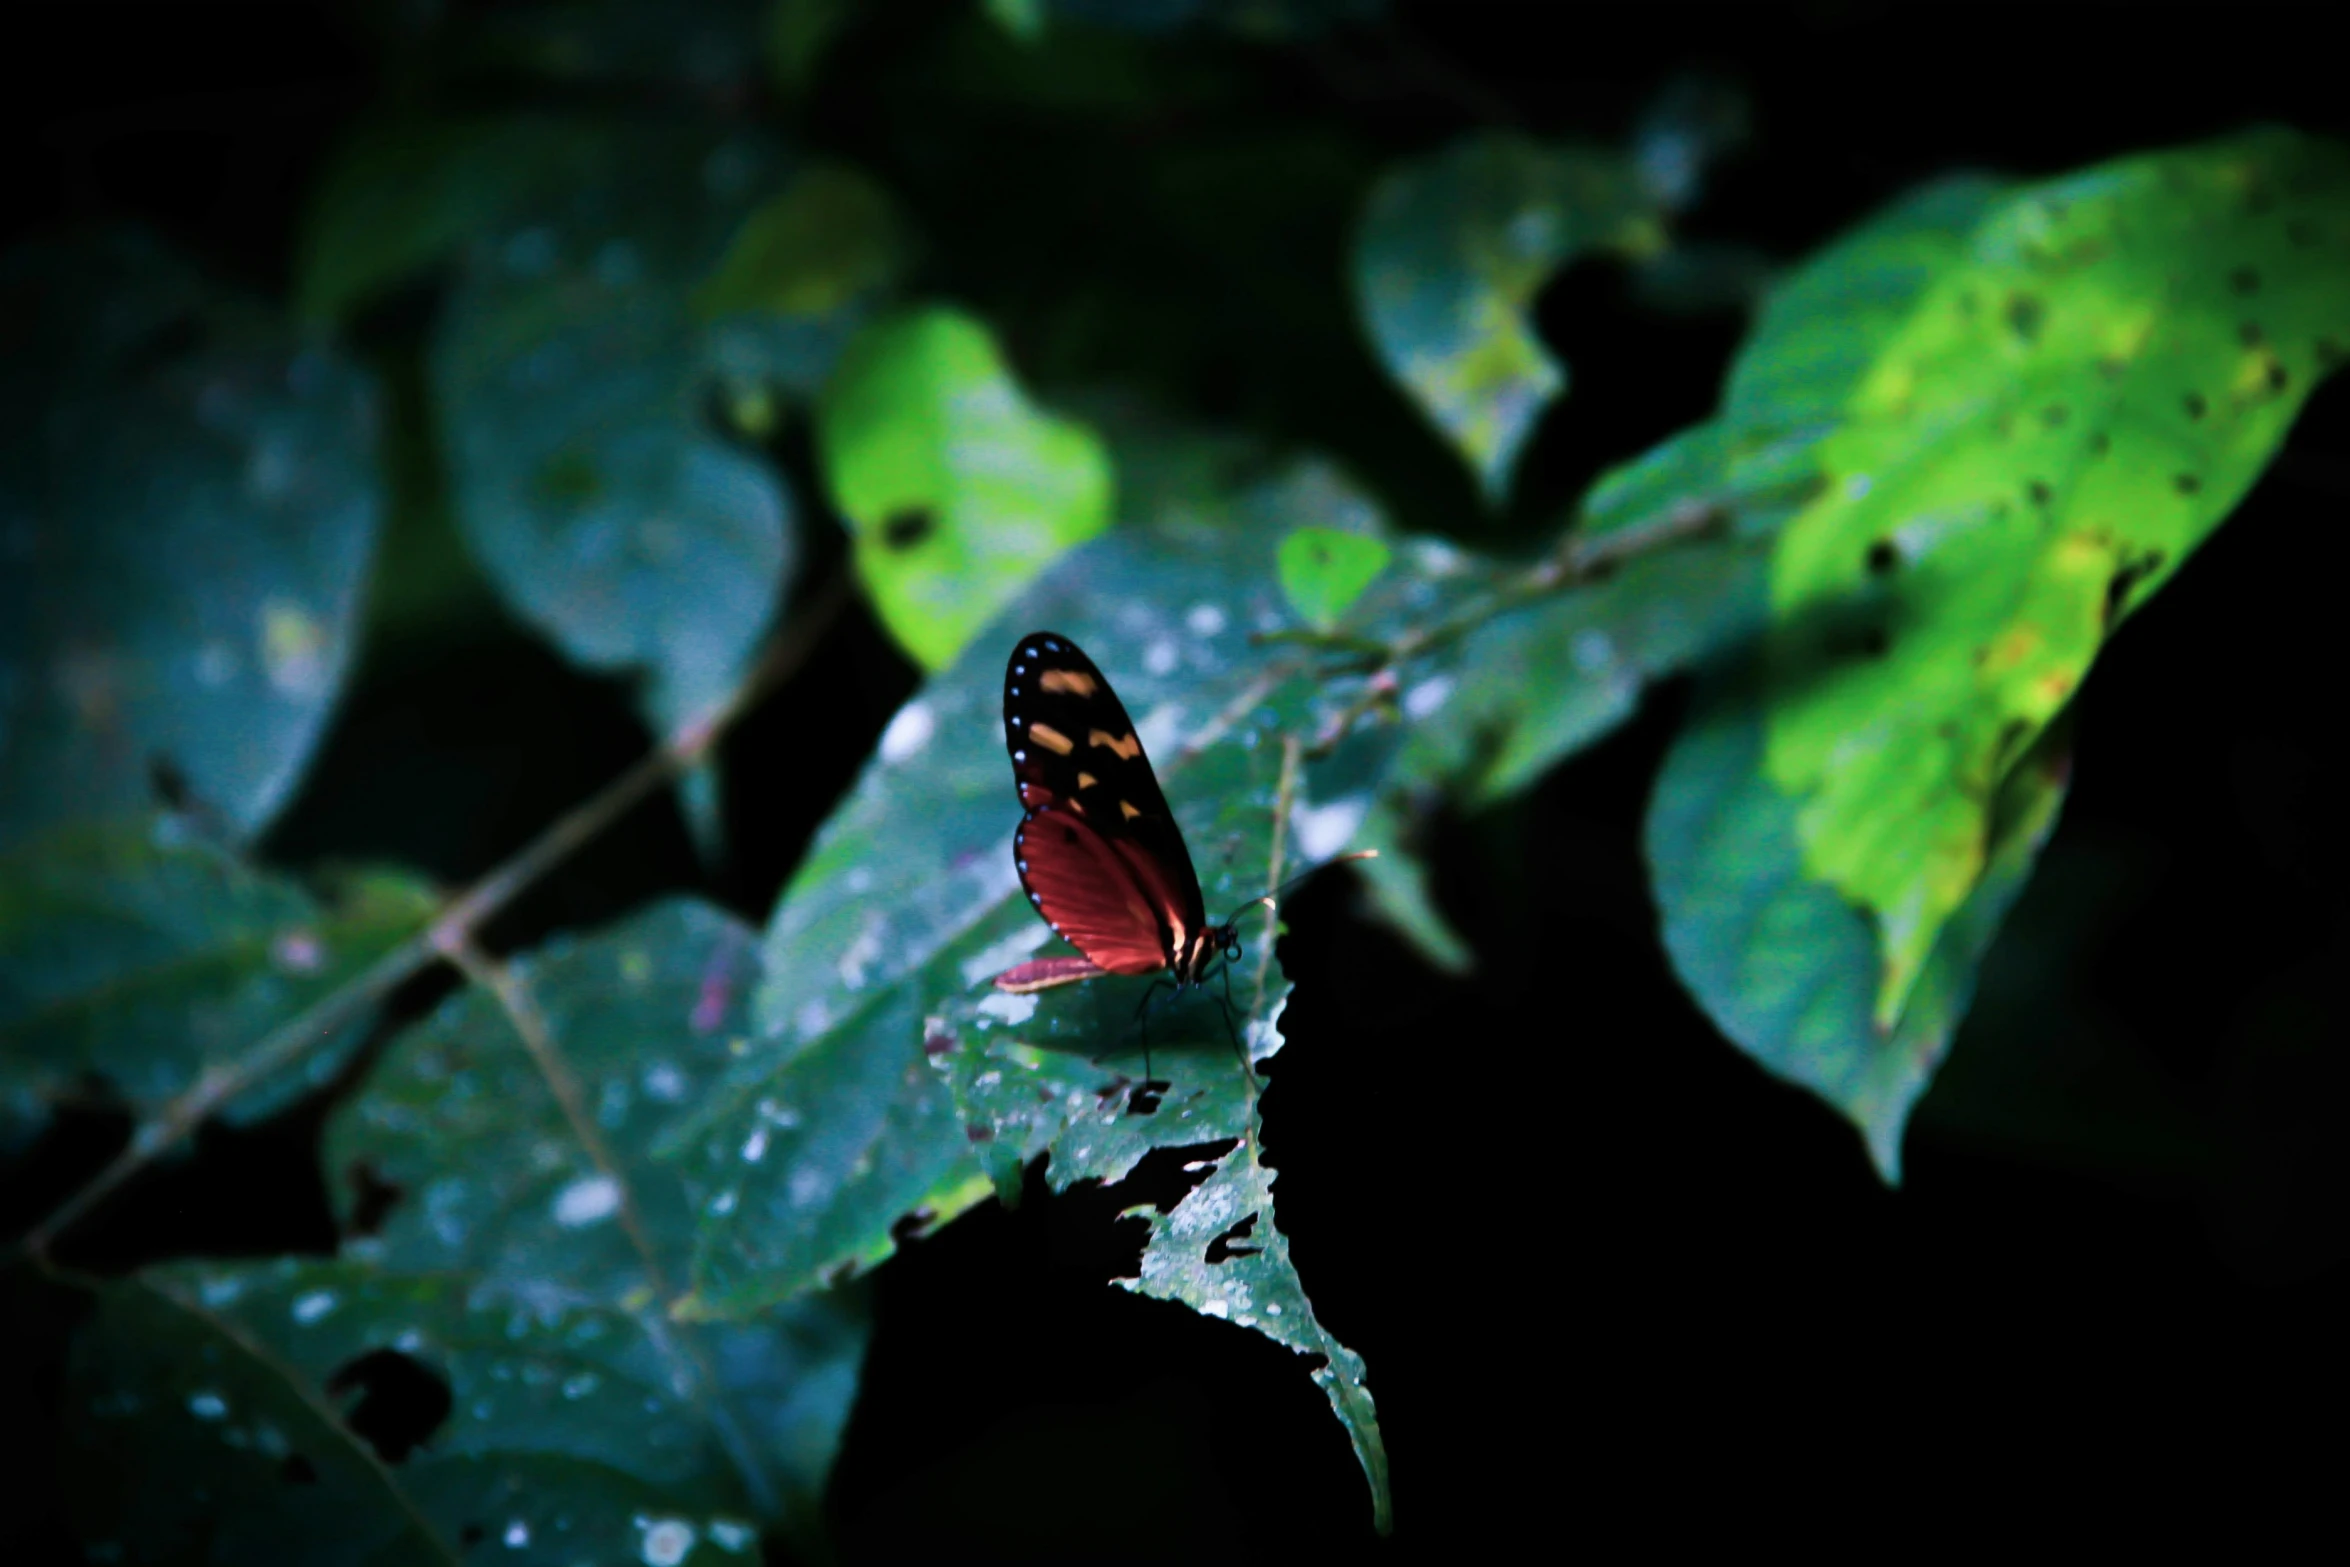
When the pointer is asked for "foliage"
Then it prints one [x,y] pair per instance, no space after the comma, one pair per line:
[605,1210]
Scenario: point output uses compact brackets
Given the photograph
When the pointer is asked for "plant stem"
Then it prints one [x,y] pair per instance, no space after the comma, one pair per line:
[453,929]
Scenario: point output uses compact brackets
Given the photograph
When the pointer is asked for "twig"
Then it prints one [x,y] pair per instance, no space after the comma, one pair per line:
[455,925]
[515,998]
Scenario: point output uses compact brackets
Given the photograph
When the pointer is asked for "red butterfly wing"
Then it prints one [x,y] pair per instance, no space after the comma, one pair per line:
[1082,886]
[1099,852]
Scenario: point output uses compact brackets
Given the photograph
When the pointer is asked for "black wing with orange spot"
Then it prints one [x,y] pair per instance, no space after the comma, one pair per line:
[1098,851]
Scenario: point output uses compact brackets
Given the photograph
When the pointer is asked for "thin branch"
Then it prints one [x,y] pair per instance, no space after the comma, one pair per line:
[455,925]
[515,997]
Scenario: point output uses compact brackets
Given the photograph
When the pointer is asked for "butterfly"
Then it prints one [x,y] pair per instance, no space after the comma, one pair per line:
[1099,853]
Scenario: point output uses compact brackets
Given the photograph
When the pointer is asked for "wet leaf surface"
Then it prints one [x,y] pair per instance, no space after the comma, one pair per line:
[575,391]
[494,1359]
[134,956]
[188,505]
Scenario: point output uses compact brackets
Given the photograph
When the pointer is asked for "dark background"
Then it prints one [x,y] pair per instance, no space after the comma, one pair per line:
[1602,1269]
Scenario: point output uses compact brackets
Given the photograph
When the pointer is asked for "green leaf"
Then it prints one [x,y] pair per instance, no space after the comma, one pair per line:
[829,240]
[1452,251]
[404,195]
[134,957]
[711,49]
[1324,570]
[571,379]
[2069,407]
[215,1412]
[191,499]
[889,1083]
[1784,966]
[957,490]
[529,1262]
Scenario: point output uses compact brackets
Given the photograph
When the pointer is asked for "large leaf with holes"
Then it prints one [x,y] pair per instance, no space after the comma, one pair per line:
[576,388]
[889,1084]
[1452,251]
[2073,403]
[957,489]
[135,955]
[188,505]
[520,1249]
[328,1411]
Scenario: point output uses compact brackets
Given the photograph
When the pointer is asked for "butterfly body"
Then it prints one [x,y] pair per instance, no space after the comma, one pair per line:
[1099,853]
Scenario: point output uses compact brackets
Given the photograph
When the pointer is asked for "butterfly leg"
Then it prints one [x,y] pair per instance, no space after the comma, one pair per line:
[1142,1024]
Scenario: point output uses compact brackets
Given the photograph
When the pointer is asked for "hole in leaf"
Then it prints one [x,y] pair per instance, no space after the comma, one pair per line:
[400,1401]
[297,1470]
[2132,572]
[372,1197]
[902,530]
[1145,1098]
[1882,557]
[168,783]
[2039,492]
[1165,1176]
[1222,1249]
[974,1132]
[2195,405]
[2186,484]
[913,1226]
[2278,377]
[2025,315]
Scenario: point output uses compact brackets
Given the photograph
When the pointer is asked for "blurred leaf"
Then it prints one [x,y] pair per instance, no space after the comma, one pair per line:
[1784,966]
[1453,249]
[1533,685]
[404,195]
[188,504]
[798,34]
[712,48]
[1324,570]
[525,1269]
[830,239]
[328,1411]
[1268,19]
[572,384]
[889,1086]
[134,956]
[2070,406]
[957,490]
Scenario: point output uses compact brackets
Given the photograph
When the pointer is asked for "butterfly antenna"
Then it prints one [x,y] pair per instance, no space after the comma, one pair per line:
[1269,899]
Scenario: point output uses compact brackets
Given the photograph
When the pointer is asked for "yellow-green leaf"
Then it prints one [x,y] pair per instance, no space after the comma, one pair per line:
[2072,404]
[958,490]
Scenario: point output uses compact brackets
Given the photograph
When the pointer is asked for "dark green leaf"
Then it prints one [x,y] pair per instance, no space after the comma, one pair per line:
[574,388]
[528,1262]
[133,957]
[189,499]
[1452,252]
[405,195]
[869,1097]
[1785,967]
[223,1413]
